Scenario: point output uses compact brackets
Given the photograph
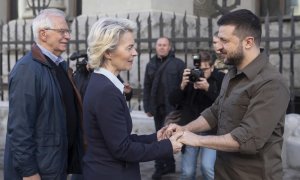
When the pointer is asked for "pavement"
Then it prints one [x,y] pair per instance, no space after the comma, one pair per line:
[147,169]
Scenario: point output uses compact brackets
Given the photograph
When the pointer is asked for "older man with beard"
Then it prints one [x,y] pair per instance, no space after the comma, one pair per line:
[249,112]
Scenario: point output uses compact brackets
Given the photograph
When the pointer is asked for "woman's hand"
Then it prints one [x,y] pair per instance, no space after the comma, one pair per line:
[175,143]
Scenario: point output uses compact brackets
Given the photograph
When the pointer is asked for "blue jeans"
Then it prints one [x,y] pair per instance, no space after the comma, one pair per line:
[189,163]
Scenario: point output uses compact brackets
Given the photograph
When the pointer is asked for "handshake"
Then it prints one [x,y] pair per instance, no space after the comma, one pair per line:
[178,136]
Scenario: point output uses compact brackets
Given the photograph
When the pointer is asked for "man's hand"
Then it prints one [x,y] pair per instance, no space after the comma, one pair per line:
[185,78]
[189,138]
[176,144]
[33,177]
[202,84]
[171,129]
[221,142]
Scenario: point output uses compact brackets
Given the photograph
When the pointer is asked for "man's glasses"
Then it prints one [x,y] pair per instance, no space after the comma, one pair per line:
[205,69]
[61,31]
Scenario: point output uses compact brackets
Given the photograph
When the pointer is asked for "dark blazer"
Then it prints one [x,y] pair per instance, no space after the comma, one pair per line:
[113,153]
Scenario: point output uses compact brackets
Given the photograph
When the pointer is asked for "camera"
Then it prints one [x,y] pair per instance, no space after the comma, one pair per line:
[196,72]
[80,64]
[82,73]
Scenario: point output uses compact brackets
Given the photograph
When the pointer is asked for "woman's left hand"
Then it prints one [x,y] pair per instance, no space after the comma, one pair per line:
[161,133]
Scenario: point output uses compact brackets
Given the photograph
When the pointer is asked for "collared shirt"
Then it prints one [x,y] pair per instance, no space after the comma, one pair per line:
[251,107]
[111,77]
[54,58]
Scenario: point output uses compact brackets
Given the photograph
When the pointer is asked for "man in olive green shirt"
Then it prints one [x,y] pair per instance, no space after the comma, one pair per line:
[250,110]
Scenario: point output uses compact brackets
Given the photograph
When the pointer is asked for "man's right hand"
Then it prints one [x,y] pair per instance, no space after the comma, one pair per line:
[33,177]
[185,78]
[172,129]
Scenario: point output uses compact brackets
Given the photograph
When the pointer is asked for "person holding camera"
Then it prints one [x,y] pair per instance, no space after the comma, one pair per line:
[198,90]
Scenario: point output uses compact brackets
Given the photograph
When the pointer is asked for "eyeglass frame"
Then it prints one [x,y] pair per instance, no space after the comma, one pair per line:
[205,69]
[61,31]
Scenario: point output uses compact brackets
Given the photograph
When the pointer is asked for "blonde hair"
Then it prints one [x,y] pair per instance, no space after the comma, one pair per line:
[104,36]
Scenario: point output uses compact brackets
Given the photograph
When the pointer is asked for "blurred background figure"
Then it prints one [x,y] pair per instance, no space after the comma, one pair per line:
[219,61]
[83,72]
[162,75]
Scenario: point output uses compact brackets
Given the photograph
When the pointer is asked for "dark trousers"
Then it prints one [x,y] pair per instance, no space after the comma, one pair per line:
[159,118]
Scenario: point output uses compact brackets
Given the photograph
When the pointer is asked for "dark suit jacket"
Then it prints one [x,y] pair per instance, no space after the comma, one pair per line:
[113,153]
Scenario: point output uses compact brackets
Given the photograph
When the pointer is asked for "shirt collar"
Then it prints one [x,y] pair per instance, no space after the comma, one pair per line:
[54,58]
[252,69]
[111,77]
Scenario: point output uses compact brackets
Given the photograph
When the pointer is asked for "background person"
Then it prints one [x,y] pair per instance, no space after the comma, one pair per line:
[162,75]
[83,72]
[219,62]
[43,131]
[250,110]
[193,98]
[113,152]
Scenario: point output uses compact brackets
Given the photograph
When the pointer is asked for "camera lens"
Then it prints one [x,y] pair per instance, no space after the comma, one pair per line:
[195,75]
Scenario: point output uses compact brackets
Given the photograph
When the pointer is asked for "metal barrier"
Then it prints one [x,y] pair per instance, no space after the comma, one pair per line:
[16,39]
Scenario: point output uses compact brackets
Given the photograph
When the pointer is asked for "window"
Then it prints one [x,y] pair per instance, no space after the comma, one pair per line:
[12,10]
[78,7]
[293,5]
[279,7]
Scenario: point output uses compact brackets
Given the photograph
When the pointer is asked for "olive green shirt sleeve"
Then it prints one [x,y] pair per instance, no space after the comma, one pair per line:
[263,117]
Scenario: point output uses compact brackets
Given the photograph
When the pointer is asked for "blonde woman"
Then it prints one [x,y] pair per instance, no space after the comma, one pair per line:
[113,152]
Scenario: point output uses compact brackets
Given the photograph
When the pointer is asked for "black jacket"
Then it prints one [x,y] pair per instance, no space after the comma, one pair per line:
[193,101]
[168,80]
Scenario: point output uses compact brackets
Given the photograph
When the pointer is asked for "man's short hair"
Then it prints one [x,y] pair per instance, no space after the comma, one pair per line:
[246,24]
[206,57]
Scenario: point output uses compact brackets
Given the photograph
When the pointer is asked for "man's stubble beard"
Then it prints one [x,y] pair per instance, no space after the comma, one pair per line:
[236,57]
